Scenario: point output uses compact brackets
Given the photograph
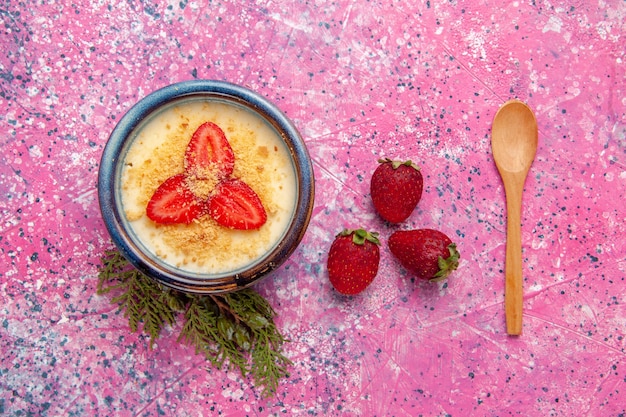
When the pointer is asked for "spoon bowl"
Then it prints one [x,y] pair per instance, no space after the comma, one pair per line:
[514,138]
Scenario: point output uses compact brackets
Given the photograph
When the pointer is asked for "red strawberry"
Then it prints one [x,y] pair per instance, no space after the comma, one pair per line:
[173,202]
[353,260]
[235,205]
[396,188]
[209,153]
[426,253]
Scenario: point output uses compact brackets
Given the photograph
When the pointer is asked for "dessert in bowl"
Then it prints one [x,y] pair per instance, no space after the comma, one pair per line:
[206,186]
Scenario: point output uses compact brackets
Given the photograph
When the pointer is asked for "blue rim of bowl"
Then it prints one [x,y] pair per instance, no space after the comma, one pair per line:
[109,175]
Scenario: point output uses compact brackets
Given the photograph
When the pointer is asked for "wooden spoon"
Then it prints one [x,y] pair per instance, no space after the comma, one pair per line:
[514,145]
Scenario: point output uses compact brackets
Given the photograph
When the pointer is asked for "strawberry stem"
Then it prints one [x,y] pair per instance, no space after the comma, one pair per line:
[395,164]
[359,236]
[447,265]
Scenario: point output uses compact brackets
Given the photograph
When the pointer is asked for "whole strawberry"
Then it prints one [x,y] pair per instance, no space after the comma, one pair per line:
[426,253]
[396,188]
[353,260]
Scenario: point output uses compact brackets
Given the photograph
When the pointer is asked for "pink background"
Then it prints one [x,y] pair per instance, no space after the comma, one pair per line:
[361,80]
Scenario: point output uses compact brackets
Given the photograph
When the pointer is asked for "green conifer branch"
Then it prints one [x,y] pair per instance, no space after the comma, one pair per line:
[235,329]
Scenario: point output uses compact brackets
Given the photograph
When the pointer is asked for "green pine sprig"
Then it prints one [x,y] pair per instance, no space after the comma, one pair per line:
[233,329]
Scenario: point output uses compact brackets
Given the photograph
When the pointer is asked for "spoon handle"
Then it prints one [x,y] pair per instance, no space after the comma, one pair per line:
[513,292]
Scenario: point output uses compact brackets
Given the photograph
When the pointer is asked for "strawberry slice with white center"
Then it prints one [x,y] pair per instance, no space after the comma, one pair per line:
[173,202]
[209,153]
[235,205]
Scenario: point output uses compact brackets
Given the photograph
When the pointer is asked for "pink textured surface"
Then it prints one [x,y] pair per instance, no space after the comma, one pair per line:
[361,80]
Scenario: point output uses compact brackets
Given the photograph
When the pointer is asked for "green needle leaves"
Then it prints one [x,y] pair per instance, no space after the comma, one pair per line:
[234,329]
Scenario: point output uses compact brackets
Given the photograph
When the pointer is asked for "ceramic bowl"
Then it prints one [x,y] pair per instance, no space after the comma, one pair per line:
[136,248]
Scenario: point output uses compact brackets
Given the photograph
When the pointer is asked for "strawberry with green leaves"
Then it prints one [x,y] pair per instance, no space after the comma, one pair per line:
[396,188]
[425,253]
[353,260]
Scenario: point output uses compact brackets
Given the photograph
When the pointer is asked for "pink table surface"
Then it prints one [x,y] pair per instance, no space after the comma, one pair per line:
[361,80]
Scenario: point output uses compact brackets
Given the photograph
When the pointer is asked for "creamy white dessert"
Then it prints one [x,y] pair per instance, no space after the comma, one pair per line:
[262,160]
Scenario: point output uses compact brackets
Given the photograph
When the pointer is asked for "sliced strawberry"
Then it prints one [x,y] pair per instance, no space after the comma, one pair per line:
[235,205]
[209,153]
[173,202]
